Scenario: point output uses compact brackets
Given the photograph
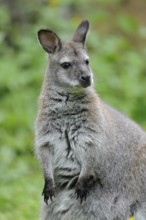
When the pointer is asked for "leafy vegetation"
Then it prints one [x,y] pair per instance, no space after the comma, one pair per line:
[116,44]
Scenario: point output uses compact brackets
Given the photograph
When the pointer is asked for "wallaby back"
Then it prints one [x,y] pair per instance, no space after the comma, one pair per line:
[93,158]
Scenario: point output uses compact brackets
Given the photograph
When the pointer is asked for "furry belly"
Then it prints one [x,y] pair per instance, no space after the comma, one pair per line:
[98,206]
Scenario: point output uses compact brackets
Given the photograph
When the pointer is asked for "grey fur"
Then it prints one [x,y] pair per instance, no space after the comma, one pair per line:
[86,148]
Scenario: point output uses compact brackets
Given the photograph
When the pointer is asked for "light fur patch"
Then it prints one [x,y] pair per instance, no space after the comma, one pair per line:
[65,60]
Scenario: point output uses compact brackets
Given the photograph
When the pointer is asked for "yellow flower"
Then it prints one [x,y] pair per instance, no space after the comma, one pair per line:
[131,218]
[54,3]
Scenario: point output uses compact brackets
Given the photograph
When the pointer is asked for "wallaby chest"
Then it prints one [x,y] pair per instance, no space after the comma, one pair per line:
[67,124]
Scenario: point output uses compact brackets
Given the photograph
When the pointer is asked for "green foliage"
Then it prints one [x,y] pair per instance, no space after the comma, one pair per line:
[119,68]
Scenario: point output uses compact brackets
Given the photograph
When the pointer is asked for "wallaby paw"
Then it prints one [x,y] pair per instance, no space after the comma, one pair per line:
[81,190]
[48,191]
[83,185]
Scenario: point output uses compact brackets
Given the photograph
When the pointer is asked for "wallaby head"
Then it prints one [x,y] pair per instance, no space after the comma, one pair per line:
[69,61]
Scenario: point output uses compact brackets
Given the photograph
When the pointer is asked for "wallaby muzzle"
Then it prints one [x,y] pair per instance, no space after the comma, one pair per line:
[85,80]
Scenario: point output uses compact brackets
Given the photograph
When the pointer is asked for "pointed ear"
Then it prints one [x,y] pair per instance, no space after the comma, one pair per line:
[49,40]
[81,32]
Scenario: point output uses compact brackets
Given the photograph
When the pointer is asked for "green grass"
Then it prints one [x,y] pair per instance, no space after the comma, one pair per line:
[20,189]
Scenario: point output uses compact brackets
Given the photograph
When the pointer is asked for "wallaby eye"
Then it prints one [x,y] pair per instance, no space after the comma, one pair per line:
[66,65]
[87,61]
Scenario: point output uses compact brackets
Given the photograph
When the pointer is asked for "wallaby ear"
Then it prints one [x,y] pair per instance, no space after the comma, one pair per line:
[81,32]
[49,40]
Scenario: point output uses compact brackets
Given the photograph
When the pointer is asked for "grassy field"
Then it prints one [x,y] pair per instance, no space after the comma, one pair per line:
[20,189]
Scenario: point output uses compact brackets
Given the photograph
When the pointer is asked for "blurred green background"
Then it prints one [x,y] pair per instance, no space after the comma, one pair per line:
[117,47]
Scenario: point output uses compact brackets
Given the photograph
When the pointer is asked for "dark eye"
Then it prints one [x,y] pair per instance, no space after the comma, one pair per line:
[66,65]
[87,62]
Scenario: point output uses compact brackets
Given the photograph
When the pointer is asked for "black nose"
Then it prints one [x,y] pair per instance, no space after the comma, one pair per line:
[85,81]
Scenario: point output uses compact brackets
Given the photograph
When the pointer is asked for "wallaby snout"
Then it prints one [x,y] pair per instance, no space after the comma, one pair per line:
[85,80]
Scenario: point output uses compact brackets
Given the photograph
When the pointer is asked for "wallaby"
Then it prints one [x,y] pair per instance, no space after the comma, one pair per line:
[93,158]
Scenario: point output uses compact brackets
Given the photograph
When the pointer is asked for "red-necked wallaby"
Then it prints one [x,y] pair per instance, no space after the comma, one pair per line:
[93,158]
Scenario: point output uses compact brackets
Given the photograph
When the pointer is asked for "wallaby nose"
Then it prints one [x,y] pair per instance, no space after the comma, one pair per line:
[85,80]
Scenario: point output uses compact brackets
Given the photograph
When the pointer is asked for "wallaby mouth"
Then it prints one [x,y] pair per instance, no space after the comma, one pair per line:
[85,81]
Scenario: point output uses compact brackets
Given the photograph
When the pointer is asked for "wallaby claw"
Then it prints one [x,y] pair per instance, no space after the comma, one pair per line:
[48,191]
[48,194]
[82,194]
[81,191]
